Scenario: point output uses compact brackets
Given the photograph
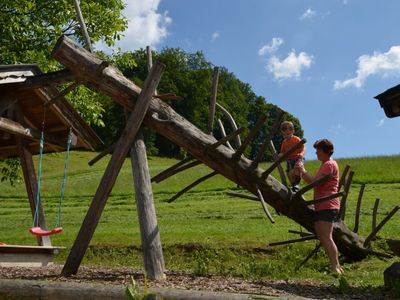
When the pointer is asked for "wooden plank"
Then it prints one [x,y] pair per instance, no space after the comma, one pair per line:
[16,128]
[45,79]
[110,175]
[27,256]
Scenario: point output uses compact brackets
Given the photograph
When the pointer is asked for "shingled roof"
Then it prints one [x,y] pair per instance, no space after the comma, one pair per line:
[22,111]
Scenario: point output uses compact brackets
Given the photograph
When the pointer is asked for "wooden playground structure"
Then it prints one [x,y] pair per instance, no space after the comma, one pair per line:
[148,109]
[25,100]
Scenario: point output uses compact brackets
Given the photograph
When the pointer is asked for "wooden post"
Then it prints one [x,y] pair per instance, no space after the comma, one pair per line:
[213,100]
[374,213]
[149,232]
[343,201]
[358,208]
[110,175]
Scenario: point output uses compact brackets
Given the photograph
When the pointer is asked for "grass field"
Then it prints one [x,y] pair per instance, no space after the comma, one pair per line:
[204,231]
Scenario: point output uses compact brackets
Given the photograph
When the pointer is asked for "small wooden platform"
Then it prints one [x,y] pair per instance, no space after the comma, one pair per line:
[27,256]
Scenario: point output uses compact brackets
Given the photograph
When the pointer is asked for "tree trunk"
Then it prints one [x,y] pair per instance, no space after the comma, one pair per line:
[162,118]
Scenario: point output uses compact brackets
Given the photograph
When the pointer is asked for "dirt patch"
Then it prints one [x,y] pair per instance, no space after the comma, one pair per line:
[121,276]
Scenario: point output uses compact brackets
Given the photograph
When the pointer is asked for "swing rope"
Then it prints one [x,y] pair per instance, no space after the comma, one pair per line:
[36,215]
[64,180]
[36,229]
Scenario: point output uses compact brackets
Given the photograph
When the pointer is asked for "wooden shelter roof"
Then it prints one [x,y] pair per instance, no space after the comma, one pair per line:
[22,111]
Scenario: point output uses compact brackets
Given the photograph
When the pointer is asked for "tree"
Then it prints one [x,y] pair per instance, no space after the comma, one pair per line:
[29,30]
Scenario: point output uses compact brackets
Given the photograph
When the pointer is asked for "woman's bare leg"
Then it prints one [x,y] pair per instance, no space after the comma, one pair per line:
[324,230]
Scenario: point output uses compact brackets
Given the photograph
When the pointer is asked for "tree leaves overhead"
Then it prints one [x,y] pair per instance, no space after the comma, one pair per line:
[30,28]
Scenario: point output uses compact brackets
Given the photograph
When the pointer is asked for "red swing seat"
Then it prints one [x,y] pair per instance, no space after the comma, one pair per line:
[41,232]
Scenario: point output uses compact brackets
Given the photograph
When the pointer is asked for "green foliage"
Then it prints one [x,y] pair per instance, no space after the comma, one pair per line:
[29,29]
[11,171]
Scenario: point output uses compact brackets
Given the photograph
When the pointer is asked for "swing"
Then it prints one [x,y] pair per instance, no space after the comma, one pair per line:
[36,229]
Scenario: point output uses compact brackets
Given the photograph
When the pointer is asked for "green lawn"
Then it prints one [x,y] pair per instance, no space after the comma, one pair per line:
[204,231]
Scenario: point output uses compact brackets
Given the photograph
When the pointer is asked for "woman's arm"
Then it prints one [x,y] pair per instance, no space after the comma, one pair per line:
[304,175]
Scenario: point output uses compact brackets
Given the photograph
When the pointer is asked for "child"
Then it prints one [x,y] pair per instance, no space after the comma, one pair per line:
[296,158]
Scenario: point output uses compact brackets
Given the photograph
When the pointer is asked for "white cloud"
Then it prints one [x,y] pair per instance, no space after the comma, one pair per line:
[380,123]
[383,64]
[214,36]
[291,66]
[308,14]
[271,47]
[146,26]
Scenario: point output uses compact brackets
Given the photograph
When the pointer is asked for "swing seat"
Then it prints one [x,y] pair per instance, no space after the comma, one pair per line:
[41,232]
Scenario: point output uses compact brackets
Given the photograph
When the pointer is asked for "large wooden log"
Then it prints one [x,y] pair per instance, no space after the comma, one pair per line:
[163,119]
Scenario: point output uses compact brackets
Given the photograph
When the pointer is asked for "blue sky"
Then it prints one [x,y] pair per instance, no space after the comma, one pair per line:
[323,61]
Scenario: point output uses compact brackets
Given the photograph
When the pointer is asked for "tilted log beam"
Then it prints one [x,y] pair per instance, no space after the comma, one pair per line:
[16,128]
[183,133]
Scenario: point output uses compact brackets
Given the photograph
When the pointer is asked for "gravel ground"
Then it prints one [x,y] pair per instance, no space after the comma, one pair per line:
[121,276]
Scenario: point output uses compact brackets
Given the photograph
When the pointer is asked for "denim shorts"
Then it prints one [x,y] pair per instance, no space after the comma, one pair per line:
[327,215]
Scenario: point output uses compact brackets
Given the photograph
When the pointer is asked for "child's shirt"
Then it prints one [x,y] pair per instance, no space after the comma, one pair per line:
[288,143]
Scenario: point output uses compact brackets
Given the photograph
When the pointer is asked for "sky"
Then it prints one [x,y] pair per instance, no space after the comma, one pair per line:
[322,61]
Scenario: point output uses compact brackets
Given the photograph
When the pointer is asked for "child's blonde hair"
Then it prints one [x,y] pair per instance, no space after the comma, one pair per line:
[286,124]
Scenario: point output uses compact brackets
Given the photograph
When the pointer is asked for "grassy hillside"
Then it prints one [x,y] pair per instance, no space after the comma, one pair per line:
[205,231]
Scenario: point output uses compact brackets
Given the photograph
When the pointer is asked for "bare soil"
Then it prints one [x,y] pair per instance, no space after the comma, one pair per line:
[121,276]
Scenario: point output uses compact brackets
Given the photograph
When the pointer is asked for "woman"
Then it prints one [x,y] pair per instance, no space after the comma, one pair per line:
[327,212]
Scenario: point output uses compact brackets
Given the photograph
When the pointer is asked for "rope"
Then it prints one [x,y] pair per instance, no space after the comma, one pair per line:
[64,180]
[36,215]
[36,220]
